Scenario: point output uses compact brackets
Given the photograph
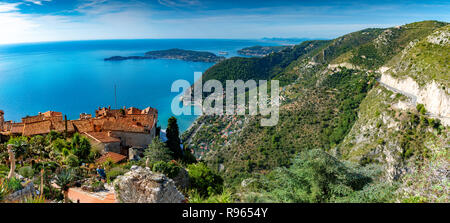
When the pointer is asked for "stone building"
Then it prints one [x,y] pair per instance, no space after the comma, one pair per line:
[111,130]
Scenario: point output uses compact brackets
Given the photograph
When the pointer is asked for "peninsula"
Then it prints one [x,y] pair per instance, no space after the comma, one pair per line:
[177,54]
[260,51]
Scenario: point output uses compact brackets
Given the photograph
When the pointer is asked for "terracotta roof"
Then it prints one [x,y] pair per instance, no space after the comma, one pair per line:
[114,157]
[102,137]
[138,121]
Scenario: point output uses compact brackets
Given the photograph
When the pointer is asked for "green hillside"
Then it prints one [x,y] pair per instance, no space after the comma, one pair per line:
[374,146]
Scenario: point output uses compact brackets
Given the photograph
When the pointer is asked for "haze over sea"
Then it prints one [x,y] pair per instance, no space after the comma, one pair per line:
[72,77]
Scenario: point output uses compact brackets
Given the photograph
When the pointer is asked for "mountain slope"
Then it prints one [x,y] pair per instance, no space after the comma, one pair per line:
[331,101]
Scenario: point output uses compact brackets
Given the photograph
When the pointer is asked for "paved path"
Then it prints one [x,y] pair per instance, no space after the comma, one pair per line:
[76,194]
[410,96]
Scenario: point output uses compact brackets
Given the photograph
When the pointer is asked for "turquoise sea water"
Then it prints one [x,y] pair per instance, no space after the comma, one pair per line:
[71,77]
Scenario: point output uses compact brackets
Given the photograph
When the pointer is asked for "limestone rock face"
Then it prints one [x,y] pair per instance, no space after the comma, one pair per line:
[435,99]
[140,185]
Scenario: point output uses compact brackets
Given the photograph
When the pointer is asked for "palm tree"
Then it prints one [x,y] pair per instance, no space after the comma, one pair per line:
[63,179]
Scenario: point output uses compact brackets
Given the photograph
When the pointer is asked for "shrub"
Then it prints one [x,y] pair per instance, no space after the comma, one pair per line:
[421,109]
[204,180]
[314,176]
[14,184]
[26,171]
[72,160]
[108,164]
[33,200]
[170,169]
[113,173]
[224,197]
[52,193]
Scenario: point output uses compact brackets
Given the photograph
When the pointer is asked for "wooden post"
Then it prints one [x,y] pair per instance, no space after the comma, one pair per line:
[12,161]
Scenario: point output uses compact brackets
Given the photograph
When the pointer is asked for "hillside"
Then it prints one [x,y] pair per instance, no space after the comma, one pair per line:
[335,101]
[260,51]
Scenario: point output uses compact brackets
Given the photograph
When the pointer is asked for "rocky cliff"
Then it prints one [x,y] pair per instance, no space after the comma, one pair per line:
[140,185]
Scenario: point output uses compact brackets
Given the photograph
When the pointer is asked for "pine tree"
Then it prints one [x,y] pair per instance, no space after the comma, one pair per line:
[173,138]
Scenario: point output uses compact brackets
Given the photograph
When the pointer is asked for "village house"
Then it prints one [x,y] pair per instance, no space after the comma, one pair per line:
[112,130]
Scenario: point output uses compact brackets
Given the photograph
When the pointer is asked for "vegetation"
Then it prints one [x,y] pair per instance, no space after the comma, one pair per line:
[4,190]
[204,180]
[341,137]
[260,50]
[336,111]
[173,138]
[265,68]
[180,54]
[114,172]
[170,169]
[315,176]
[157,151]
[64,179]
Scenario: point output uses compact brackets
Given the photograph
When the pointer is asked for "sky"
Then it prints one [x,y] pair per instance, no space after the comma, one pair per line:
[59,20]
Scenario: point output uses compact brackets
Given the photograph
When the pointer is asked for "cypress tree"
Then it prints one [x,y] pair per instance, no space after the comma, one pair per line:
[173,138]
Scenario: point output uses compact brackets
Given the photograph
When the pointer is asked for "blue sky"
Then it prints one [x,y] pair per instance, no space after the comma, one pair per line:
[56,20]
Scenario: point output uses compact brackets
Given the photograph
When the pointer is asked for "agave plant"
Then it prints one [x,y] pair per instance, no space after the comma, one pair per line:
[4,191]
[34,199]
[64,179]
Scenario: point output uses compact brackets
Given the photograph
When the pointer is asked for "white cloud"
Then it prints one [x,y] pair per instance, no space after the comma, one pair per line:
[179,3]
[98,21]
[113,19]
[37,2]
[8,7]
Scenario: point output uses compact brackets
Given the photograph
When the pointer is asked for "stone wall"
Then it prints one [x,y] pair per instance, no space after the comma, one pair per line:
[28,190]
[131,139]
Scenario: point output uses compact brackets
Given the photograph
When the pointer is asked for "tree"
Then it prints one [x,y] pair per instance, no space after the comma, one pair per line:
[72,160]
[19,146]
[314,176]
[81,147]
[51,136]
[38,145]
[64,179]
[157,151]
[173,138]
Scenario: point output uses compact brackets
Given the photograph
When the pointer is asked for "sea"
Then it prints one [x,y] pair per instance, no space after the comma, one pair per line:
[72,77]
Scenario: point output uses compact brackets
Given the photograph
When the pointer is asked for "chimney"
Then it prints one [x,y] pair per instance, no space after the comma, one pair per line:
[109,107]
